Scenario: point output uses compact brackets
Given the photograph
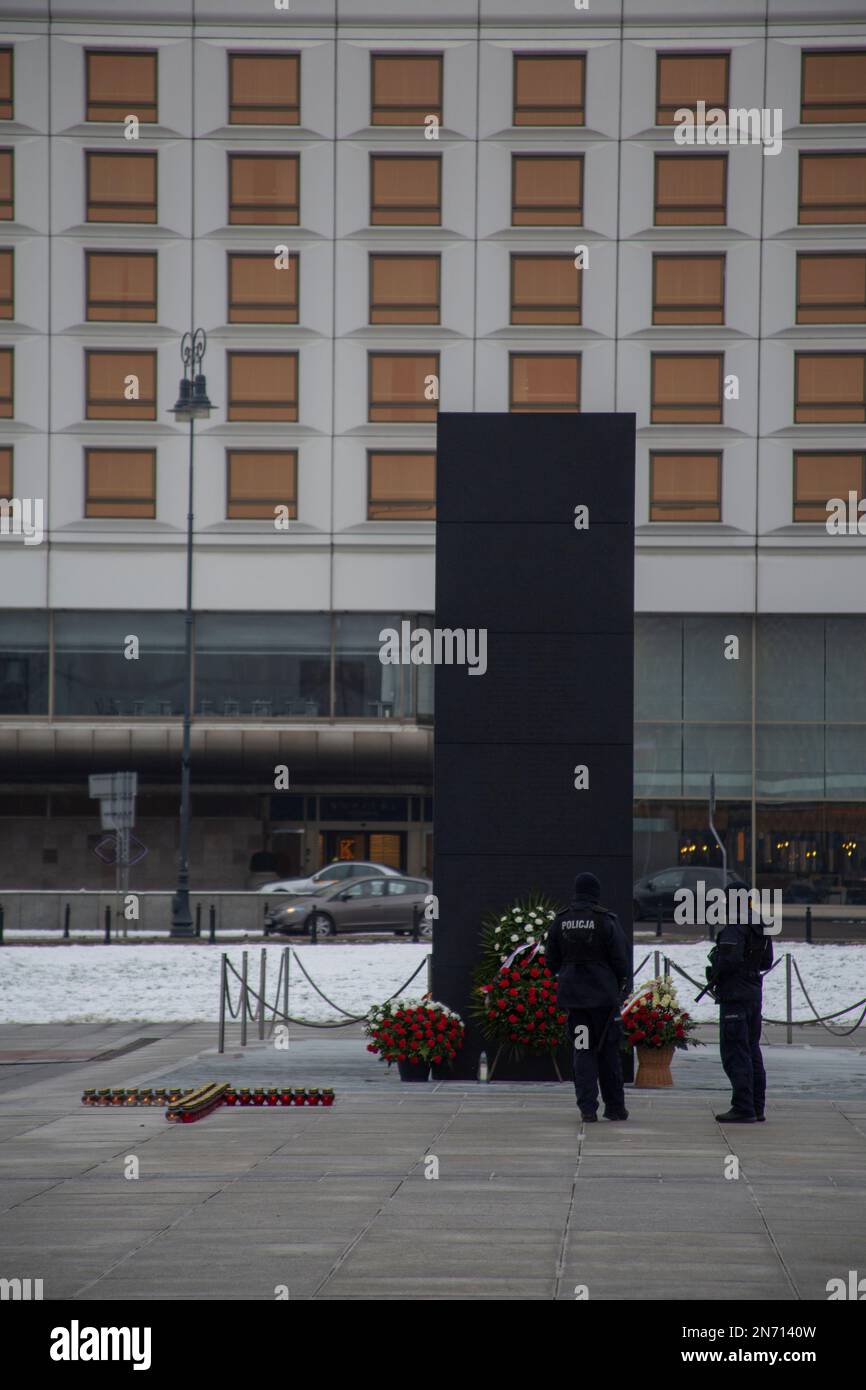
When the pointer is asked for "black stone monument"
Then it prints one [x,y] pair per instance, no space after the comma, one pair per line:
[553,585]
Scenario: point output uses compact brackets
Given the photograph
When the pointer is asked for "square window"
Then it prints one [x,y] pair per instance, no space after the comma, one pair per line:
[684,79]
[829,388]
[7,376]
[833,87]
[401,485]
[685,486]
[121,286]
[404,289]
[822,475]
[7,283]
[832,189]
[121,84]
[263,385]
[686,388]
[120,385]
[264,189]
[405,190]
[406,88]
[544,381]
[259,292]
[120,482]
[121,187]
[403,386]
[545,289]
[6,85]
[831,287]
[264,88]
[259,481]
[691,190]
[688,289]
[546,190]
[549,89]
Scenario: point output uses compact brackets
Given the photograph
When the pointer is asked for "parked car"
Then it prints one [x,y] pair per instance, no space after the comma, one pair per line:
[803,890]
[657,890]
[384,903]
[338,872]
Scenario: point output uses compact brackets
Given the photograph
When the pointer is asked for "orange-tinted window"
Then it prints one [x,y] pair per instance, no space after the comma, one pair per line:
[686,388]
[121,187]
[688,289]
[822,475]
[120,385]
[259,292]
[833,86]
[263,385]
[404,289]
[401,486]
[7,186]
[546,190]
[544,381]
[829,388]
[6,473]
[832,188]
[403,386]
[7,95]
[264,88]
[121,286]
[120,482]
[405,190]
[684,79]
[685,487]
[549,89]
[264,189]
[121,84]
[545,289]
[691,190]
[7,377]
[406,88]
[259,481]
[831,287]
[7,284]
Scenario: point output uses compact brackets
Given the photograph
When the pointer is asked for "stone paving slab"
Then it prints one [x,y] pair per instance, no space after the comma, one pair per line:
[335,1205]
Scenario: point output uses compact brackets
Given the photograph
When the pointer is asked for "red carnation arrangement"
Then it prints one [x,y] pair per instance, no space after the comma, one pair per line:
[654,1018]
[518,1008]
[419,1033]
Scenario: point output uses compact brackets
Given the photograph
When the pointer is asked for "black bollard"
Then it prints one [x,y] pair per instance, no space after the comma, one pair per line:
[1,924]
[809,925]
[659,919]
[314,930]
[212,924]
[416,922]
[198,919]
[67,911]
[108,926]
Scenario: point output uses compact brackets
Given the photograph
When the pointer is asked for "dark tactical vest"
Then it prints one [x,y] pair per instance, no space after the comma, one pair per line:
[581,935]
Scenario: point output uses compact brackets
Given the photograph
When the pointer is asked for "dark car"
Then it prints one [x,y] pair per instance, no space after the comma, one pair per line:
[658,889]
[803,890]
[366,905]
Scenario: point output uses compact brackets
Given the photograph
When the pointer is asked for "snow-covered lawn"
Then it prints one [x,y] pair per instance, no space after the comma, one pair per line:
[137,983]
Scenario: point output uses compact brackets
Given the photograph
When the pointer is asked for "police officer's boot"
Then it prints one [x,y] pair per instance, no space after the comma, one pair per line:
[736,1117]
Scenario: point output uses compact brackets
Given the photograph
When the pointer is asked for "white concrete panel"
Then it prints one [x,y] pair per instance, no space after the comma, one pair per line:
[69,82]
[711,582]
[24,569]
[832,581]
[317,84]
[366,580]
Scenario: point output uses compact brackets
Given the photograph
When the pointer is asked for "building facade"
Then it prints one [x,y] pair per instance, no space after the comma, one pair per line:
[377,211]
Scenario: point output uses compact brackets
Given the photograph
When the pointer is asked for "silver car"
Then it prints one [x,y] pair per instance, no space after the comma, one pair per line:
[384,903]
[338,872]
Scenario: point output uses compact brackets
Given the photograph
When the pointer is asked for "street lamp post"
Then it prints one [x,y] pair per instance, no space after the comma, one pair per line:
[192,404]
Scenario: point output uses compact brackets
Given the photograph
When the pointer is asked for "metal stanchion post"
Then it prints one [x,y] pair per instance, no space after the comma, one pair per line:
[657,964]
[314,931]
[244,1000]
[263,976]
[107,926]
[416,922]
[223,983]
[809,925]
[789,987]
[659,920]
[1,923]
[287,957]
[212,924]
[198,919]
[66,915]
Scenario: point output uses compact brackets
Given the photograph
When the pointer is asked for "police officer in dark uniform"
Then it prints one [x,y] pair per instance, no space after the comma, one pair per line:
[742,953]
[586,948]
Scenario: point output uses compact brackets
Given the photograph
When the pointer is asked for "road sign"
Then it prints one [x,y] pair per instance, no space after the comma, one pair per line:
[106,850]
[116,792]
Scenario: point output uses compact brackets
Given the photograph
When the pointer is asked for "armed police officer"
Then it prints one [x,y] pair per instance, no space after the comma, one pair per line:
[586,948]
[741,955]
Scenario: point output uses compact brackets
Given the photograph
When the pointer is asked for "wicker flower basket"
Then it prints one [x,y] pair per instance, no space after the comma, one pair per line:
[654,1067]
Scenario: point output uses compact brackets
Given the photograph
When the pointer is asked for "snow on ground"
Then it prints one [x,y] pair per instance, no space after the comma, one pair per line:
[151,983]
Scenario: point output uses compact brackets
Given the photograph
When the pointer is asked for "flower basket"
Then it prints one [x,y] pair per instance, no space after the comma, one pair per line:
[655,1025]
[514,998]
[414,1035]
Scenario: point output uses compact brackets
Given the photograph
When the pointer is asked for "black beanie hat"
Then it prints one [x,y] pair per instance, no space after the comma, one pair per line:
[587,886]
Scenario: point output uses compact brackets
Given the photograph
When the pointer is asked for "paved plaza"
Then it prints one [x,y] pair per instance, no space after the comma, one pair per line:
[334,1204]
